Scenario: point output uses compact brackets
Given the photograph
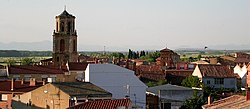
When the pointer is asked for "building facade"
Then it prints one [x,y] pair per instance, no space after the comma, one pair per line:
[64,40]
[168,58]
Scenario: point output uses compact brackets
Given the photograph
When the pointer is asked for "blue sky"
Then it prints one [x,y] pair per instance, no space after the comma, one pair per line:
[134,24]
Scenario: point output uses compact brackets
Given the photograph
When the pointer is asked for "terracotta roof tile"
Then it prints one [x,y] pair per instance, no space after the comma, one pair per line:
[209,70]
[166,50]
[78,66]
[245,60]
[183,73]
[103,104]
[232,102]
[147,68]
[81,89]
[34,69]
[18,87]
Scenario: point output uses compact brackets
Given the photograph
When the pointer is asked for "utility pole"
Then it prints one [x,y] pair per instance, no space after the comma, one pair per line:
[159,96]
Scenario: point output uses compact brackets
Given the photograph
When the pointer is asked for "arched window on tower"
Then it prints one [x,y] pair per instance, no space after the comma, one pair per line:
[69,26]
[74,45]
[62,45]
[62,26]
[56,26]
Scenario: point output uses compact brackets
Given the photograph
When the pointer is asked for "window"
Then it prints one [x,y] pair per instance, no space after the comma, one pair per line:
[208,81]
[219,80]
[69,26]
[232,82]
[56,26]
[4,97]
[62,45]
[74,45]
[62,26]
[57,59]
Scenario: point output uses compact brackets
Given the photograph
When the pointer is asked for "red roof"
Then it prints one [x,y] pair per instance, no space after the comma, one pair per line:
[104,104]
[245,60]
[166,50]
[209,70]
[34,69]
[232,102]
[78,66]
[18,87]
[149,68]
[182,73]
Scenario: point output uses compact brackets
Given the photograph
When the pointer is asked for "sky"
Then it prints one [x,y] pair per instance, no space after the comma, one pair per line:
[131,24]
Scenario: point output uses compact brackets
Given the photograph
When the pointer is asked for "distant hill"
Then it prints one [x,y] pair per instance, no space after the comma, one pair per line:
[31,46]
[47,46]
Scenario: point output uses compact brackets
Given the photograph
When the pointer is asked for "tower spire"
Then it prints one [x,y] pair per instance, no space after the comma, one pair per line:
[64,7]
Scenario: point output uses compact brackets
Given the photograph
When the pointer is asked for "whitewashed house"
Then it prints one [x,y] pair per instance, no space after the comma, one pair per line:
[171,96]
[119,81]
[216,76]
[241,70]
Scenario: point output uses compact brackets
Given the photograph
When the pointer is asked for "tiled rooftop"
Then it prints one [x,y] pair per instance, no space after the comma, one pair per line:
[34,69]
[104,104]
[82,89]
[232,102]
[78,66]
[209,70]
[5,86]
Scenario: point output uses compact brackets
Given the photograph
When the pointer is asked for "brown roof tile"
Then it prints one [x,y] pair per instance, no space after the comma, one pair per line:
[182,73]
[18,87]
[149,68]
[103,104]
[232,102]
[166,50]
[243,60]
[78,66]
[34,69]
[209,70]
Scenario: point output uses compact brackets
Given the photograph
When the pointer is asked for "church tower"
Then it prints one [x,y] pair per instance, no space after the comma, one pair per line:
[64,40]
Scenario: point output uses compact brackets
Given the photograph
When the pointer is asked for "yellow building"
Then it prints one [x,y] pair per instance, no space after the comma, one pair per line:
[62,95]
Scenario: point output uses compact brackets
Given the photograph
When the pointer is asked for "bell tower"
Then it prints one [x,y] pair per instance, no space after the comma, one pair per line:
[64,40]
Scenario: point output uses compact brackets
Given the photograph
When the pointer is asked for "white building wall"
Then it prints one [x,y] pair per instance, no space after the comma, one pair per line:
[228,83]
[197,72]
[241,71]
[117,80]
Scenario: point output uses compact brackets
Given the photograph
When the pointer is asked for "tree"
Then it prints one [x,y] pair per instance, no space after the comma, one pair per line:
[150,84]
[117,55]
[10,62]
[192,81]
[199,57]
[129,54]
[162,82]
[193,103]
[26,61]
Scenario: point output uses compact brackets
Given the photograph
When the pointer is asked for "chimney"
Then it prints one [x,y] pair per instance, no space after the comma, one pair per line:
[22,82]
[209,100]
[32,82]
[12,84]
[247,93]
[43,82]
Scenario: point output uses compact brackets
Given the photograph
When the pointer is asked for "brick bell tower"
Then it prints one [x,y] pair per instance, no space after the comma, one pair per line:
[64,40]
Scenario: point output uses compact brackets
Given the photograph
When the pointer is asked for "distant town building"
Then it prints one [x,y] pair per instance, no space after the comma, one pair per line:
[216,76]
[64,40]
[14,88]
[61,95]
[169,96]
[168,58]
